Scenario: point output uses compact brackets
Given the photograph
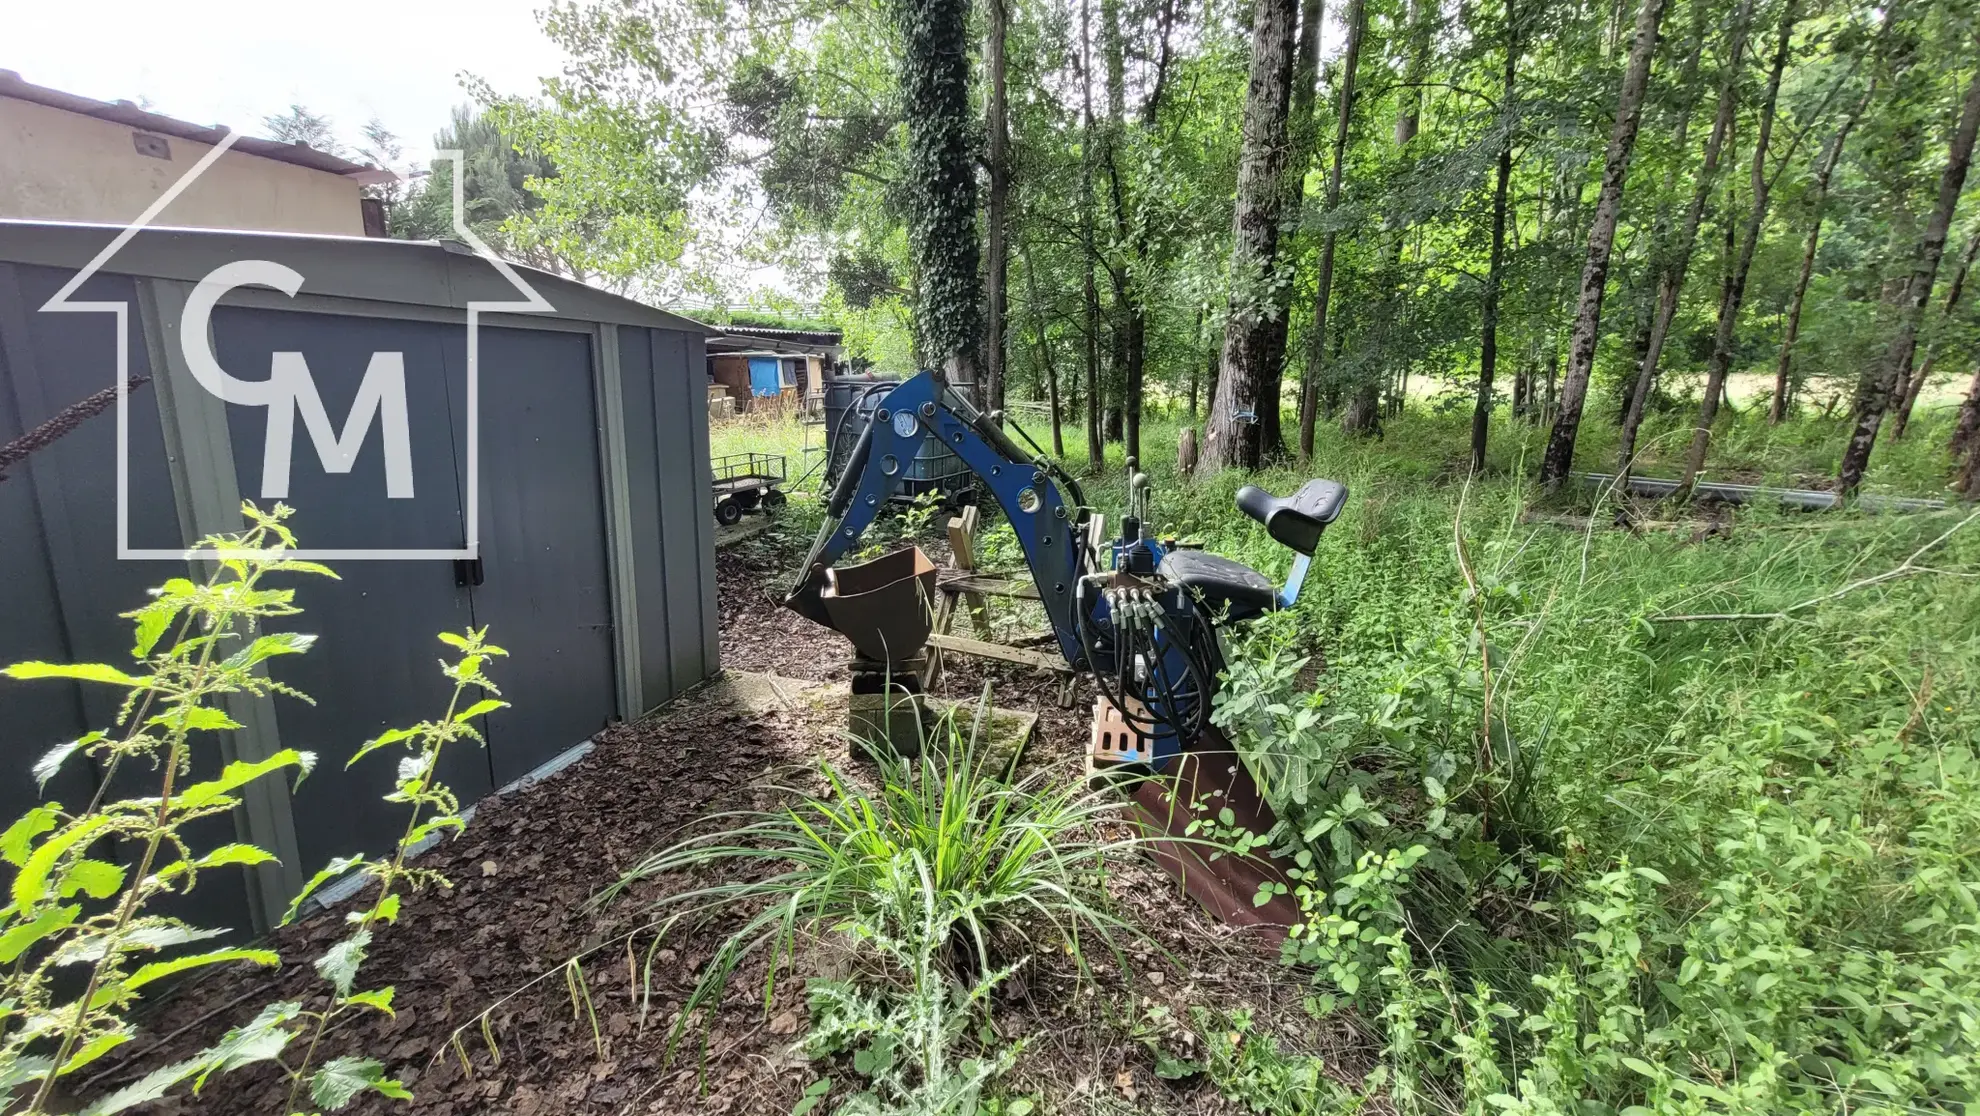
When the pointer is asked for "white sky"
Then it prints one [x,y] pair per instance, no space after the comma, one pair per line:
[233,62]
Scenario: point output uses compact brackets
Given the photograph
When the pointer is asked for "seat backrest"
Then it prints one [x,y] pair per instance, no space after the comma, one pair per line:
[1295,521]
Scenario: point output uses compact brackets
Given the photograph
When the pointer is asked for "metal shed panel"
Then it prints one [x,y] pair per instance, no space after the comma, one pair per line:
[635,374]
[687,525]
[55,359]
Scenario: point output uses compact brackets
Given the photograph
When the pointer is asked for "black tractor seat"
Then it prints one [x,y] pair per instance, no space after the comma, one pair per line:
[1295,521]
[1220,582]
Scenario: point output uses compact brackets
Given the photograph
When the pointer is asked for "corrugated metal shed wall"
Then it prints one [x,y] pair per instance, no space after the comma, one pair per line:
[596,550]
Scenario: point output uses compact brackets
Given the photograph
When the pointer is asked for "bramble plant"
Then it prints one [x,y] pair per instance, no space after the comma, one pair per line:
[71,911]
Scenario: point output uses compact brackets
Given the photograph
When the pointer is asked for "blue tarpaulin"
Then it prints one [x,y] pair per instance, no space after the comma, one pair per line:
[764,378]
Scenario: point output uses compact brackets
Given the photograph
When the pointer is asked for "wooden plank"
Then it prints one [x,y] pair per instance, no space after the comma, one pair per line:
[962,544]
[1002,653]
[989,586]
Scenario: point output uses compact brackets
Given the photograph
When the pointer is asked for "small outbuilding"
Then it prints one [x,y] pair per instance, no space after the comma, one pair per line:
[468,443]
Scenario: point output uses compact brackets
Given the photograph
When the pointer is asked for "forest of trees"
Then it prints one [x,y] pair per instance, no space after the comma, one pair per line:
[1288,212]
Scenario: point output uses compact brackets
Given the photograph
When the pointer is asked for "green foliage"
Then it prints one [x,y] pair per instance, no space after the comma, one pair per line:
[1641,863]
[78,931]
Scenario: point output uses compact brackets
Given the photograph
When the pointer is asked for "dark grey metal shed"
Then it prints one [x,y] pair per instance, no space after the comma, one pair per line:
[594,562]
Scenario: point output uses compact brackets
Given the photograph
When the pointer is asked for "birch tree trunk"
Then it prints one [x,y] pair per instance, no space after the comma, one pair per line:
[1915,384]
[1488,342]
[1670,280]
[1824,172]
[1720,363]
[1559,457]
[1873,396]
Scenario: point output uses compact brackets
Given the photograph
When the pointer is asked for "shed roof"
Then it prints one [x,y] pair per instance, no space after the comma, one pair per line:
[446,274]
[126,113]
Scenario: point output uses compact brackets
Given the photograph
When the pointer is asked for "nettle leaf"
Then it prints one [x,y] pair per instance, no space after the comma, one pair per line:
[238,774]
[377,742]
[480,708]
[339,964]
[379,999]
[52,760]
[340,1080]
[261,1039]
[50,921]
[79,672]
[152,622]
[16,843]
[31,884]
[269,646]
[159,970]
[329,872]
[98,879]
[195,718]
[95,1048]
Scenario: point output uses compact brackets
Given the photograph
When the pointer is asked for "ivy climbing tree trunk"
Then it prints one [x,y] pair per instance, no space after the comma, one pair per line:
[996,272]
[1825,171]
[1873,396]
[1670,278]
[1234,433]
[1488,340]
[939,179]
[1720,363]
[1559,457]
[1323,284]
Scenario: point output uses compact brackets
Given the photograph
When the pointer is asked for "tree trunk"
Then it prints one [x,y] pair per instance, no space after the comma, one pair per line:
[1670,279]
[1720,364]
[1601,238]
[1968,422]
[1302,137]
[1824,172]
[1096,450]
[1234,434]
[1488,342]
[1874,394]
[997,216]
[1045,356]
[940,175]
[1316,343]
[1915,384]
[1364,413]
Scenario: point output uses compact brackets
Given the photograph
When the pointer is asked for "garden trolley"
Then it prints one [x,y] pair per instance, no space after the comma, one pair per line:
[745,482]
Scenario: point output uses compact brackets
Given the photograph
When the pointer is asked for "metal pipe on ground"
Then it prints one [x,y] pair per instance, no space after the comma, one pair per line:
[1809,499]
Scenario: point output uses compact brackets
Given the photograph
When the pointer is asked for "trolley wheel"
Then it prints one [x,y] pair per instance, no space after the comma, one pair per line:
[728,513]
[773,499]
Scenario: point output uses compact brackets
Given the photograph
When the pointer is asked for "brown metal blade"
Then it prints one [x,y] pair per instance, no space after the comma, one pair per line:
[1205,780]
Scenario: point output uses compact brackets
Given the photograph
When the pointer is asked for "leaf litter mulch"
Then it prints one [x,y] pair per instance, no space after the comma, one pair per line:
[526,869]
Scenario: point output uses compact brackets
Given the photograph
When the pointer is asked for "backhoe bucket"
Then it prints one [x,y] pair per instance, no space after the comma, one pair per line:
[1206,779]
[884,606]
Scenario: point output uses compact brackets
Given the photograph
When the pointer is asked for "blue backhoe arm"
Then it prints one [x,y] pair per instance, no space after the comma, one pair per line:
[1029,489]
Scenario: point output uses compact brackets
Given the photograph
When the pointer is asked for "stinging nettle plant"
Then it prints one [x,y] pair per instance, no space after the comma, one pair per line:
[81,935]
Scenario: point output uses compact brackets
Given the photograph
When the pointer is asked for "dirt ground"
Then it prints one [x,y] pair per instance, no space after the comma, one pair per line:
[528,864]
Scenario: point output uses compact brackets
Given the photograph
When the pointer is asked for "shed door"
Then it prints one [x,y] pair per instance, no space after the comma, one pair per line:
[376,664]
[765,377]
[544,595]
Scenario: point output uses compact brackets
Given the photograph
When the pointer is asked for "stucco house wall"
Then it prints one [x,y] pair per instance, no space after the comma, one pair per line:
[64,166]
